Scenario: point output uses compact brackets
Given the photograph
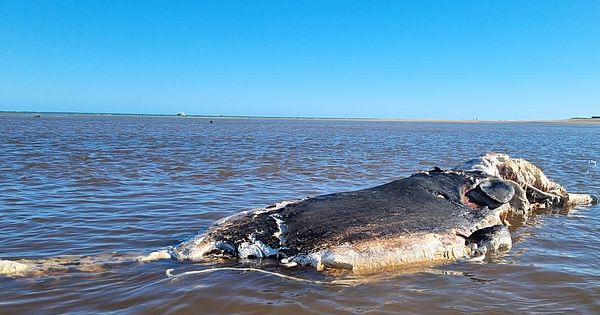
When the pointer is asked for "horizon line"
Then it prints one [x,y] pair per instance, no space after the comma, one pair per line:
[182,115]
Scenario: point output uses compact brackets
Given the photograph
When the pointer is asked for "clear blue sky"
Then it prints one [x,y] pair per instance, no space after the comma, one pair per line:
[396,59]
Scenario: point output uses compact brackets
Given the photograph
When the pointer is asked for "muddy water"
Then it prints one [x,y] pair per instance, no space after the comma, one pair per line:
[90,185]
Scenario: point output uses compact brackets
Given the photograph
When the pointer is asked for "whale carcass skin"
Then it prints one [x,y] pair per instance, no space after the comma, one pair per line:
[421,219]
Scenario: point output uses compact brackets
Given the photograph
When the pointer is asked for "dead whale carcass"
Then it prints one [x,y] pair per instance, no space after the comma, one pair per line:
[429,217]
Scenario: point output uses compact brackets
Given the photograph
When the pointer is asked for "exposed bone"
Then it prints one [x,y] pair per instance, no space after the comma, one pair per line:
[575,199]
[519,203]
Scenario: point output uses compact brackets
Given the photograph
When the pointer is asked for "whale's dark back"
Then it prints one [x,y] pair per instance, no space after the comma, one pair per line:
[423,202]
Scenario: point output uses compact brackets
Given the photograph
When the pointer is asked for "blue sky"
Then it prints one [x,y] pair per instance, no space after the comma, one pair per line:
[387,59]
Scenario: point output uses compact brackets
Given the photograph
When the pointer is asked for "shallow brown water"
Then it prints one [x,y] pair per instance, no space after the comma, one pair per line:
[93,185]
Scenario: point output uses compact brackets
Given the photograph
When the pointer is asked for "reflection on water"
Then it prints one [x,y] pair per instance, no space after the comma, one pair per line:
[87,185]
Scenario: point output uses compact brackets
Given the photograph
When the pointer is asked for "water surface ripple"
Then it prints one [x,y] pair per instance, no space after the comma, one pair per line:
[83,185]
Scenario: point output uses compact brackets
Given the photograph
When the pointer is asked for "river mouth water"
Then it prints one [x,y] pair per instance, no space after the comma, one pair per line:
[93,185]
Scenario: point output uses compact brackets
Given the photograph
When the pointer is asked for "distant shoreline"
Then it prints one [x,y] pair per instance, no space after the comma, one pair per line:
[577,120]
